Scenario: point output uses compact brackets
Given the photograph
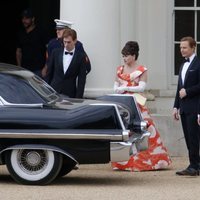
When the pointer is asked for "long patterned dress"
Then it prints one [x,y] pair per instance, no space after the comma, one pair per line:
[156,156]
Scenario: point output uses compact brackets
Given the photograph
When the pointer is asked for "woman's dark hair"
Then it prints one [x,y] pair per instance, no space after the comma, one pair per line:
[131,48]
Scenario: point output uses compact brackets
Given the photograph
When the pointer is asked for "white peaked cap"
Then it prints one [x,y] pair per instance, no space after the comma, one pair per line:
[63,23]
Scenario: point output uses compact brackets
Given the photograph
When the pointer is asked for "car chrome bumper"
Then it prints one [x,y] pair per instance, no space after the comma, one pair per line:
[121,151]
[142,142]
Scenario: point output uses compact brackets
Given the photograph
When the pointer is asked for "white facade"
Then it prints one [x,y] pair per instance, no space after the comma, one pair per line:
[105,26]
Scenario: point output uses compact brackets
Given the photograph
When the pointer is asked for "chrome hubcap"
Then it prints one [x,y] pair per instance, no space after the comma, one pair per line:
[32,161]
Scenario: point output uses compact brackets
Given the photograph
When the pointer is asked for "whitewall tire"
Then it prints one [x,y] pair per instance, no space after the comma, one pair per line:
[33,166]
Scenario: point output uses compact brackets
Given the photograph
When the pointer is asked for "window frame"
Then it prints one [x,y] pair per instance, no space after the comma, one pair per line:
[174,42]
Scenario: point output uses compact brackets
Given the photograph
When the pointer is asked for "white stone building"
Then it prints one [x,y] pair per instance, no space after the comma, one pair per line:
[104,26]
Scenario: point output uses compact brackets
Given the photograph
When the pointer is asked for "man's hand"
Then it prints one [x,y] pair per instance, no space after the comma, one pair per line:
[44,71]
[175,114]
[198,119]
[182,93]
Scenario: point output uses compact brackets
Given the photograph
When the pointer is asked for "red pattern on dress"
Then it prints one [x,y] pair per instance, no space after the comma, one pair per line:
[156,156]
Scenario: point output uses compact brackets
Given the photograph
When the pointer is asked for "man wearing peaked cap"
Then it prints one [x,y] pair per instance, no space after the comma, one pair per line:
[61,26]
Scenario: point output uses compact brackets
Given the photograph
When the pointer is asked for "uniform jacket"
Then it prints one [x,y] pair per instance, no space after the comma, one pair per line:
[189,104]
[72,82]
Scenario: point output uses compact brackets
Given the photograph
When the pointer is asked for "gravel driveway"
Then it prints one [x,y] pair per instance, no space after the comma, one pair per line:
[99,182]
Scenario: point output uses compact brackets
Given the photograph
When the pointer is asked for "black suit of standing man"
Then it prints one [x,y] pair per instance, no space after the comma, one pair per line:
[67,67]
[186,103]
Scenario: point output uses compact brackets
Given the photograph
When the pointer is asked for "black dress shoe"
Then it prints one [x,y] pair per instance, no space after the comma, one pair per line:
[188,172]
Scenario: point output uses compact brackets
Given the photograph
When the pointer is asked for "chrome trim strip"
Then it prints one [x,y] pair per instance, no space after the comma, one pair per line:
[3,102]
[77,136]
[38,147]
[134,99]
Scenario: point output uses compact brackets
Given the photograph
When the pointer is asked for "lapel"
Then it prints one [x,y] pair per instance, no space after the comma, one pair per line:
[191,64]
[60,60]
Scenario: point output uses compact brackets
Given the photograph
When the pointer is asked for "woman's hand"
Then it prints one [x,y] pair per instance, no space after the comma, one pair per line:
[117,89]
[120,90]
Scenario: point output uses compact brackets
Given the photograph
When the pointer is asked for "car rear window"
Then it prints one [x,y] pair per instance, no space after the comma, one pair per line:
[15,89]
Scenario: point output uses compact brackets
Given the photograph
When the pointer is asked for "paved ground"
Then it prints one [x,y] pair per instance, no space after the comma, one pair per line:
[99,182]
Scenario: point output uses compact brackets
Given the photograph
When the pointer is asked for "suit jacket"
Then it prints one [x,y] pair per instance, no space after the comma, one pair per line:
[72,82]
[57,43]
[189,104]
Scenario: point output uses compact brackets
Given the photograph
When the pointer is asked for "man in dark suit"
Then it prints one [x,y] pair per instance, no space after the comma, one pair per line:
[67,67]
[61,26]
[186,103]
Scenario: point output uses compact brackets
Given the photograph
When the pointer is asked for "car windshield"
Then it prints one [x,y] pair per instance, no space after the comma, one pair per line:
[25,90]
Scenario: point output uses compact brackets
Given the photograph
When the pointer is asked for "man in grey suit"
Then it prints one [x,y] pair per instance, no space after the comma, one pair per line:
[186,104]
[67,67]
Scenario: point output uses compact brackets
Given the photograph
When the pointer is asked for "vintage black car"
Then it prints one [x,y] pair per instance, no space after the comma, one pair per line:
[44,135]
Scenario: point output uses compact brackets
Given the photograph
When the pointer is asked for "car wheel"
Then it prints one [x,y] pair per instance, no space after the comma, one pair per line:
[33,166]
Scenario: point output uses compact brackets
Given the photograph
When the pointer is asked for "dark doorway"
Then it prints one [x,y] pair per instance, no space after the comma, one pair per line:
[45,12]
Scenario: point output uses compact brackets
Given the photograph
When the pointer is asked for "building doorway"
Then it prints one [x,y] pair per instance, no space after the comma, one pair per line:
[45,12]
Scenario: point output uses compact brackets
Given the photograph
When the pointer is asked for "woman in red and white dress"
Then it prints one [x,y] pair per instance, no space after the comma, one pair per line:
[131,78]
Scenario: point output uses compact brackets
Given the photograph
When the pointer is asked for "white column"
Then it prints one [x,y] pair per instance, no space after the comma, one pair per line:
[97,23]
[152,32]
[128,20]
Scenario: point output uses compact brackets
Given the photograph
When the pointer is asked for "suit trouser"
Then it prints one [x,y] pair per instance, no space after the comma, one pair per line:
[191,132]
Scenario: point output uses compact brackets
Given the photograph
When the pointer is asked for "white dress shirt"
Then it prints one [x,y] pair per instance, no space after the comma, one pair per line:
[67,58]
[185,67]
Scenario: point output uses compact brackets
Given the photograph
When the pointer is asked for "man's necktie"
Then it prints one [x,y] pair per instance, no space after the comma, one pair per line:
[70,53]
